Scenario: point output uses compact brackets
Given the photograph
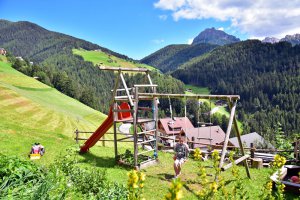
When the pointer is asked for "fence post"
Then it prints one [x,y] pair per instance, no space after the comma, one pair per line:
[103,141]
[252,150]
[193,140]
[76,132]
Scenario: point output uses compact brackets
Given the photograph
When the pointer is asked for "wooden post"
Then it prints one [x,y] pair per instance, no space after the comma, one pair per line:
[252,150]
[135,117]
[76,132]
[103,141]
[224,149]
[115,117]
[192,145]
[155,115]
[126,89]
[239,137]
[257,163]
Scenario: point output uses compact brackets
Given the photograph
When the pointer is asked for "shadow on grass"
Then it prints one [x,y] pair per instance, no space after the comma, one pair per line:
[98,161]
[190,190]
[165,176]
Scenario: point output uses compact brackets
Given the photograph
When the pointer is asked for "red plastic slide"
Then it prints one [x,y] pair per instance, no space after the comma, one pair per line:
[103,128]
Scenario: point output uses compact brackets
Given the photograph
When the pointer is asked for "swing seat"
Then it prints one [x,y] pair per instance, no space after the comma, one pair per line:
[35,156]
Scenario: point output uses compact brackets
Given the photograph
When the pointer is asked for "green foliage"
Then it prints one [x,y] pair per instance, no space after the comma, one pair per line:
[128,158]
[281,142]
[53,52]
[21,179]
[171,57]
[175,191]
[135,185]
[216,189]
[197,154]
[266,76]
[268,192]
[64,179]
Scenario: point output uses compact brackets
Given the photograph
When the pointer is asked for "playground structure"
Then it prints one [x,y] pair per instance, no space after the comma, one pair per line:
[127,112]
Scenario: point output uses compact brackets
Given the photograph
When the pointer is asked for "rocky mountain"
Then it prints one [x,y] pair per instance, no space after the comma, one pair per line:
[271,40]
[213,36]
[293,39]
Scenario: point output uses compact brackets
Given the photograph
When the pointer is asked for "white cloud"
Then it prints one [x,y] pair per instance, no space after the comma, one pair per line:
[221,29]
[169,4]
[190,40]
[158,41]
[163,17]
[257,18]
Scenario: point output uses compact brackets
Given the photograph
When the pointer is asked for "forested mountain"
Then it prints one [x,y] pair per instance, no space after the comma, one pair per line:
[213,36]
[58,66]
[171,57]
[267,76]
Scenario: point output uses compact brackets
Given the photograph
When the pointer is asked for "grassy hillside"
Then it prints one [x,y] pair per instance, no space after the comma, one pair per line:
[196,89]
[204,90]
[98,57]
[34,112]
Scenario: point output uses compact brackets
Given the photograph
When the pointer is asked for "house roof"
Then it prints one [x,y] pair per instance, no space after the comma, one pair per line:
[204,134]
[177,123]
[254,138]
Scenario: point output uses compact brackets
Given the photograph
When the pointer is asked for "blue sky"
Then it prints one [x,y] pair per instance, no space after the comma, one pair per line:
[139,27]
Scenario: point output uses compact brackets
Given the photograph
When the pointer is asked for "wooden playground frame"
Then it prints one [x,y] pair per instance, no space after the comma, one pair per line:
[133,96]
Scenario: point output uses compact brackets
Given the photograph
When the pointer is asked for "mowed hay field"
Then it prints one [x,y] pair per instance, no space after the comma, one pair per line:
[98,57]
[34,112]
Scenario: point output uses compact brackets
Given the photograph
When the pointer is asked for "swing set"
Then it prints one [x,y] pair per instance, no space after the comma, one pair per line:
[128,113]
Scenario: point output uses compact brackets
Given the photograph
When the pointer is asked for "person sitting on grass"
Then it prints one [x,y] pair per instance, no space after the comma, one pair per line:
[181,151]
[42,149]
[37,148]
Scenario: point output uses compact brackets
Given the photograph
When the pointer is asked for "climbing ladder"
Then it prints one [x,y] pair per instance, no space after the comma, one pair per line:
[125,110]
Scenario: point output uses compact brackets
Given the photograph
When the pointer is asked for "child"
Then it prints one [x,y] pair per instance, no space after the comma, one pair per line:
[181,154]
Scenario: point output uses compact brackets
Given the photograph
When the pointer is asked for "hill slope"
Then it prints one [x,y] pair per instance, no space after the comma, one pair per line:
[99,57]
[32,111]
[265,75]
[171,57]
[54,52]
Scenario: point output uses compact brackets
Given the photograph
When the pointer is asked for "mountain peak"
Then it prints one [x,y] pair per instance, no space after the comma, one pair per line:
[214,36]
[293,39]
[271,40]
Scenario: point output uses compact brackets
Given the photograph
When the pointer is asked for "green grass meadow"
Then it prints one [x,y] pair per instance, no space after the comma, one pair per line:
[98,57]
[34,112]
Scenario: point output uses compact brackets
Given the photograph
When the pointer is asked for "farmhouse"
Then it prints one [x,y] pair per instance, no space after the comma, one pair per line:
[207,135]
[254,138]
[168,126]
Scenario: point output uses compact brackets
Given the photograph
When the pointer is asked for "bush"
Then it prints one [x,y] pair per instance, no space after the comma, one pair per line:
[64,179]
